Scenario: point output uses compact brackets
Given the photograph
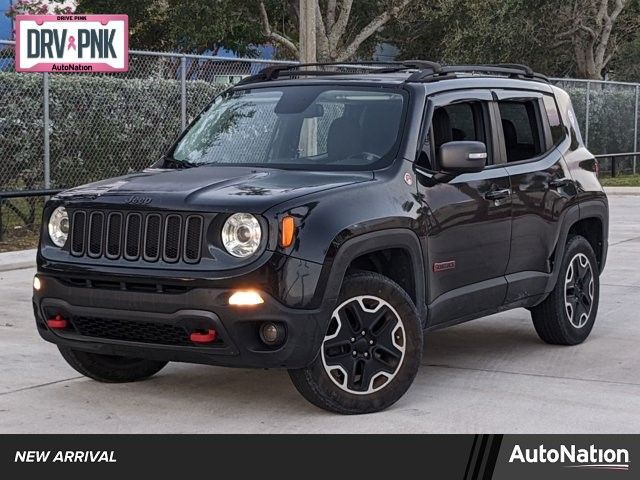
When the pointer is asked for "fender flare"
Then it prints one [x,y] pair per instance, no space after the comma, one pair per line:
[334,270]
[589,209]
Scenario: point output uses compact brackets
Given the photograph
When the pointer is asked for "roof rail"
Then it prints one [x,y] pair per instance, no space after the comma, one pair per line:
[426,71]
[299,69]
[512,70]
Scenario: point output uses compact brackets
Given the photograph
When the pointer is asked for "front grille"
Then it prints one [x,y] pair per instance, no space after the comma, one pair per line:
[149,236]
[126,330]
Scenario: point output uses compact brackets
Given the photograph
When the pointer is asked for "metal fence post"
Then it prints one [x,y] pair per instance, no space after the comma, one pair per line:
[586,115]
[46,123]
[183,92]
[635,131]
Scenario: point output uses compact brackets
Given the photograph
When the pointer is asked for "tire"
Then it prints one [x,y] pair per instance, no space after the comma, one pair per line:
[561,320]
[376,319]
[108,368]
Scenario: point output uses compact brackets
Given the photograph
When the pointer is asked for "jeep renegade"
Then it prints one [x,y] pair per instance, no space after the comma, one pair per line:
[320,221]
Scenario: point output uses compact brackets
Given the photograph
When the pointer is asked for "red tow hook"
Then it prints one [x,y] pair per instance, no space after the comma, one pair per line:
[206,337]
[57,323]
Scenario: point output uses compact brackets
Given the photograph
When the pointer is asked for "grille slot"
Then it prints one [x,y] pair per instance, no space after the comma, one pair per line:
[132,234]
[77,233]
[152,237]
[193,238]
[148,236]
[96,221]
[114,235]
[172,233]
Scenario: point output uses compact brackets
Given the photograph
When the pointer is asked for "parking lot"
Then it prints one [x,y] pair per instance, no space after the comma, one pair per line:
[492,374]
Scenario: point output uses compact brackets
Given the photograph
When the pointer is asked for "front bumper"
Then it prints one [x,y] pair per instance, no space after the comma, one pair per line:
[137,321]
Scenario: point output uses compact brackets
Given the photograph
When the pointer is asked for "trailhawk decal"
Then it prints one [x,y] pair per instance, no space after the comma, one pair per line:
[72,43]
[442,266]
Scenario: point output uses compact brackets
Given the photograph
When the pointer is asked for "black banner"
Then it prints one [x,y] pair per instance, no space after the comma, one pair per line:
[464,457]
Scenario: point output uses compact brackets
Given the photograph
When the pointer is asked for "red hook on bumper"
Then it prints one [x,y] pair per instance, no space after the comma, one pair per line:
[208,337]
[57,323]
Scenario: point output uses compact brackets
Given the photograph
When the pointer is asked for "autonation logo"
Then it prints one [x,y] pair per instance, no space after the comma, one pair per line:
[574,457]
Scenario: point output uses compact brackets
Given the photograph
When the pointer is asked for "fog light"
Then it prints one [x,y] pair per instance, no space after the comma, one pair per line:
[245,297]
[36,283]
[271,333]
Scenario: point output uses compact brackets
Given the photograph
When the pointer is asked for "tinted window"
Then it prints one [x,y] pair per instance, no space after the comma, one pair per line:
[456,122]
[555,123]
[462,121]
[520,127]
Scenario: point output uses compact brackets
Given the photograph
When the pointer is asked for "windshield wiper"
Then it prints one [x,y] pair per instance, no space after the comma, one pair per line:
[178,163]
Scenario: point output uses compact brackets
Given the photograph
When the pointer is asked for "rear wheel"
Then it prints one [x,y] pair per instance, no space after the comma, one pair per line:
[110,368]
[568,314]
[371,351]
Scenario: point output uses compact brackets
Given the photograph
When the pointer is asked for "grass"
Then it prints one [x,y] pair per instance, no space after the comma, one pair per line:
[621,181]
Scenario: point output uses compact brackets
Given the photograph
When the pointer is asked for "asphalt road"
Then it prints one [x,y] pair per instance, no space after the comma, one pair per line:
[489,375]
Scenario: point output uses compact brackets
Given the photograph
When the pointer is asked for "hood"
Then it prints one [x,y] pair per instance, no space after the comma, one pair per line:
[212,188]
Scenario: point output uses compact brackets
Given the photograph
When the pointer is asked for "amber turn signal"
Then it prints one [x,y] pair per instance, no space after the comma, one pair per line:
[287,231]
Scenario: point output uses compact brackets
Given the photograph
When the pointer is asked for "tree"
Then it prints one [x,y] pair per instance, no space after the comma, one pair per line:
[591,28]
[191,26]
[557,37]
[476,32]
[40,7]
[343,27]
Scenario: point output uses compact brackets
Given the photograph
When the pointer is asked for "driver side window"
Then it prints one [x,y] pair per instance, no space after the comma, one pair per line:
[458,122]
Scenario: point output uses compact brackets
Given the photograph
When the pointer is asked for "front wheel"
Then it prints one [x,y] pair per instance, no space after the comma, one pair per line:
[371,351]
[567,315]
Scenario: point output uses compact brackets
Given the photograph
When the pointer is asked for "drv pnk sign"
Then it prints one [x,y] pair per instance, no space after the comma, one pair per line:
[72,43]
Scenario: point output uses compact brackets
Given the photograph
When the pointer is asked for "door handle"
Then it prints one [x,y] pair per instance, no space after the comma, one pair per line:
[559,183]
[497,194]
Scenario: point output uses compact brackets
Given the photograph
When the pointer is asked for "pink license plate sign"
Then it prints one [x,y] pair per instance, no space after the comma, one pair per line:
[72,43]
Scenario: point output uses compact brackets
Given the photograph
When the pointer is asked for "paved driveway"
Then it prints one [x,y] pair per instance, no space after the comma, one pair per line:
[489,375]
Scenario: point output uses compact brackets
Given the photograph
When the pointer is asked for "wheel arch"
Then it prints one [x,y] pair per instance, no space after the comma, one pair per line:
[387,252]
[589,219]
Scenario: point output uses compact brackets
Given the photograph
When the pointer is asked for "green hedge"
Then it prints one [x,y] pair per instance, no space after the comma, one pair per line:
[101,126]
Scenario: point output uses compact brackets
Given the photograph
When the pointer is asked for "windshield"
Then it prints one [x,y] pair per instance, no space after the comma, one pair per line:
[297,126]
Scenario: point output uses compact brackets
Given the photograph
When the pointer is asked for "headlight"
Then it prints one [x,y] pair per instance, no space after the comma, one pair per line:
[241,234]
[59,226]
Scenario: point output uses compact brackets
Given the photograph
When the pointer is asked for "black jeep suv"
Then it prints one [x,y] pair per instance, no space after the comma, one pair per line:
[321,221]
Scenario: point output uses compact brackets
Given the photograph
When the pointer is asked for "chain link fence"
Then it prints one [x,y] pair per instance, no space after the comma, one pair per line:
[62,130]
[608,116]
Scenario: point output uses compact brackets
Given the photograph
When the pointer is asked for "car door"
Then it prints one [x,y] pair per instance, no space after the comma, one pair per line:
[541,186]
[467,219]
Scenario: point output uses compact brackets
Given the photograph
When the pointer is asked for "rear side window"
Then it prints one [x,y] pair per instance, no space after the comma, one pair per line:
[555,123]
[522,137]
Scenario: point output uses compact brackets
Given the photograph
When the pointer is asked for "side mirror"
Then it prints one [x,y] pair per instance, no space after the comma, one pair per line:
[462,157]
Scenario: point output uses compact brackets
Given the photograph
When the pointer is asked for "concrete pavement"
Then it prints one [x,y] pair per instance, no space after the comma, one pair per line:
[17,260]
[489,375]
